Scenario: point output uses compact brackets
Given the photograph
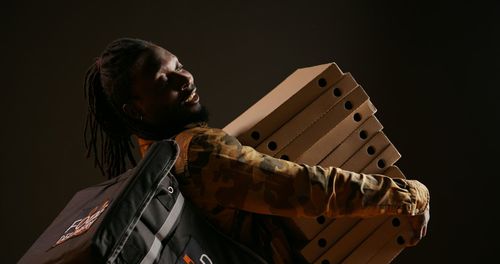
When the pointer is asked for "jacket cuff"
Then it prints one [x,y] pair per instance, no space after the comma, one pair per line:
[420,197]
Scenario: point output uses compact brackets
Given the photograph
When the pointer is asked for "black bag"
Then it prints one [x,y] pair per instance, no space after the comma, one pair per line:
[137,217]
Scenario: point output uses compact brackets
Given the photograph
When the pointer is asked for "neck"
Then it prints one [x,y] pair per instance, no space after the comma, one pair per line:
[145,142]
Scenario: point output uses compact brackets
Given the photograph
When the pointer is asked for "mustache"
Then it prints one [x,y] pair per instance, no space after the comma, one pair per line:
[187,91]
[189,87]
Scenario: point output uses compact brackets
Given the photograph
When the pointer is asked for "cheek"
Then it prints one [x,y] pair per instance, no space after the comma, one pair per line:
[169,98]
[162,106]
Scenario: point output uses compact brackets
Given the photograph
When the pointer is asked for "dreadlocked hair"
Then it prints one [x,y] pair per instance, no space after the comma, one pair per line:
[107,87]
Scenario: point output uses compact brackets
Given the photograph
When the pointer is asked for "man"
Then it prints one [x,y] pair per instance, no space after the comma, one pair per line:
[138,88]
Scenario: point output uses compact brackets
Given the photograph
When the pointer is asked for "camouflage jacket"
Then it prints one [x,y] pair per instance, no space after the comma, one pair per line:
[223,177]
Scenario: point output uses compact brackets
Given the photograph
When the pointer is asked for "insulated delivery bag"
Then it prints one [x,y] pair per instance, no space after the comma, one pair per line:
[137,217]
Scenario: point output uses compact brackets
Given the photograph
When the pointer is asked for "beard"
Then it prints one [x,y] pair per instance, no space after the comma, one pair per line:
[173,125]
[181,120]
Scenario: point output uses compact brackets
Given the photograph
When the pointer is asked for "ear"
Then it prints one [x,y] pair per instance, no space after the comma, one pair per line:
[131,111]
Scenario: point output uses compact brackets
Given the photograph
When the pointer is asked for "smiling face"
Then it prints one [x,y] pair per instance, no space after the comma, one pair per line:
[163,92]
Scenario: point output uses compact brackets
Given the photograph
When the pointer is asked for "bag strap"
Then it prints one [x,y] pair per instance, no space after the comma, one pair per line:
[166,229]
[134,199]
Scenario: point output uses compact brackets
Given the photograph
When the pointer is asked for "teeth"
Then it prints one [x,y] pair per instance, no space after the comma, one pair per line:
[193,93]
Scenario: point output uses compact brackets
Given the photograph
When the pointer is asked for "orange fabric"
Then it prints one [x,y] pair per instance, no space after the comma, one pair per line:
[144,145]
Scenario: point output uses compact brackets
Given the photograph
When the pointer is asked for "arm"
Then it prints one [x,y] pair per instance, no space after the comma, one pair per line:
[221,171]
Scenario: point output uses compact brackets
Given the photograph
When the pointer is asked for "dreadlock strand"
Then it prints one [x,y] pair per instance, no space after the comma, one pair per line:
[107,134]
[92,82]
[130,156]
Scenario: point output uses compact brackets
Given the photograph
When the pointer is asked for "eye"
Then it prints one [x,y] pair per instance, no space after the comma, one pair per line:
[164,81]
[179,67]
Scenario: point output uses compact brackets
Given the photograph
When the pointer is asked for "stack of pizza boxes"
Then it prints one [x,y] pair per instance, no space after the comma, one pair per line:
[322,116]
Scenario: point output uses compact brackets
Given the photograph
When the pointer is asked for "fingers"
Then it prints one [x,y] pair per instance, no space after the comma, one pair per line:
[419,227]
[416,237]
[424,231]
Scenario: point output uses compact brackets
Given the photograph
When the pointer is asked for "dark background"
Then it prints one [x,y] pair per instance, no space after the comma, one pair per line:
[430,68]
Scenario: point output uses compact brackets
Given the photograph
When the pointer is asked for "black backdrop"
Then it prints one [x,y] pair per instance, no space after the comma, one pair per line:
[430,68]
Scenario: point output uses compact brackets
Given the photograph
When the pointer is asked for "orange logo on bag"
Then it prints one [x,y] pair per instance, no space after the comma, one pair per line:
[81,225]
[188,260]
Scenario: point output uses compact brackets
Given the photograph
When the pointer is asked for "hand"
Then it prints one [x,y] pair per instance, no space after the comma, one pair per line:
[419,226]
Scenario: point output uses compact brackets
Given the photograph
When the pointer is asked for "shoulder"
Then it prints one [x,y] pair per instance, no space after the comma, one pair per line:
[206,136]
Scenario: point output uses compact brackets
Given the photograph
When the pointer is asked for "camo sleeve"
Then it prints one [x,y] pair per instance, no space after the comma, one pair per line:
[220,171]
